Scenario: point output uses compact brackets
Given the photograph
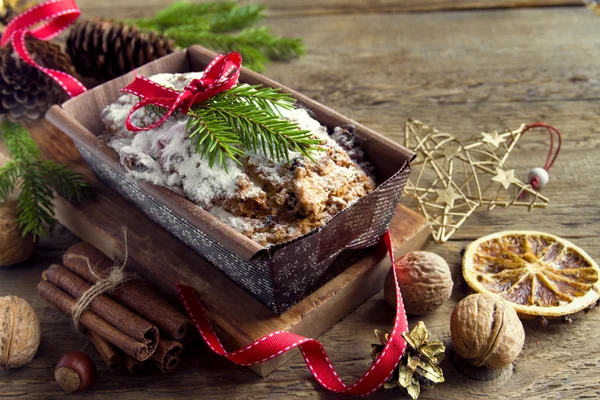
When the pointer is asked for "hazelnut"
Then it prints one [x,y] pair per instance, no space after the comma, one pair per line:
[75,371]
[14,248]
[486,331]
[19,332]
[425,282]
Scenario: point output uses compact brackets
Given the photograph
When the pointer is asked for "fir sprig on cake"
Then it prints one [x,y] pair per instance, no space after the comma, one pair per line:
[248,118]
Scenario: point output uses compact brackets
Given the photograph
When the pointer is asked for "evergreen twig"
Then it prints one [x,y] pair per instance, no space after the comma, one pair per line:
[213,137]
[184,13]
[223,27]
[35,179]
[247,118]
[9,174]
[237,18]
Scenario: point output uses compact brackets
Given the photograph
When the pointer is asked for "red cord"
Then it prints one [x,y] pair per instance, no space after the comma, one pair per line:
[552,155]
[317,360]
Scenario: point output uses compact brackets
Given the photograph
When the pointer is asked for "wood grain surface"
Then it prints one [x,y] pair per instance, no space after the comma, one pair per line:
[464,71]
[286,8]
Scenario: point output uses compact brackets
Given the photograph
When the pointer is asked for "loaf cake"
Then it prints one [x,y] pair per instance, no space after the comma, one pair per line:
[269,201]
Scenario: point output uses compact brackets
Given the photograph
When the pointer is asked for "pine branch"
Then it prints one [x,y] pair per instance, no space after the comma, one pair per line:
[67,183]
[262,97]
[18,142]
[247,117]
[222,27]
[184,13]
[36,179]
[273,46]
[213,137]
[256,45]
[238,17]
[9,174]
[36,211]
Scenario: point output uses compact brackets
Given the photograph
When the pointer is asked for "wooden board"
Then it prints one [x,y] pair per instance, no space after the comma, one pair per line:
[164,260]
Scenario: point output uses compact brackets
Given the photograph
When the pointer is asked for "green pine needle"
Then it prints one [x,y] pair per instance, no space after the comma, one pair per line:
[274,47]
[184,13]
[9,174]
[237,18]
[35,179]
[223,27]
[246,118]
[66,182]
[213,137]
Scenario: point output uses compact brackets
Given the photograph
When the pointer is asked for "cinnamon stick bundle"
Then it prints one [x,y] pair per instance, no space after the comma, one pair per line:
[167,354]
[110,355]
[133,294]
[171,363]
[135,367]
[114,313]
[90,320]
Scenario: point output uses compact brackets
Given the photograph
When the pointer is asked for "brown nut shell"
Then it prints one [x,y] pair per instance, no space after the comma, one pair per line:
[19,332]
[486,331]
[75,371]
[425,282]
[14,248]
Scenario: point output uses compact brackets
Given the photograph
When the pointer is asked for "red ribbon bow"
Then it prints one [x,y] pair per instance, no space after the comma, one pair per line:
[51,18]
[221,74]
[276,343]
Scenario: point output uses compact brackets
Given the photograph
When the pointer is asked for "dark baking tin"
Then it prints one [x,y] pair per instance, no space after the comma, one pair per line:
[280,275]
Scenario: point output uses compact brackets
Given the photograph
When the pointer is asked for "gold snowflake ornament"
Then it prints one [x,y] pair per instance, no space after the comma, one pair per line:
[418,366]
[451,179]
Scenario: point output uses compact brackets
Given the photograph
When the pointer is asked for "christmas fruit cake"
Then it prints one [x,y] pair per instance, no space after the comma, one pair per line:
[268,201]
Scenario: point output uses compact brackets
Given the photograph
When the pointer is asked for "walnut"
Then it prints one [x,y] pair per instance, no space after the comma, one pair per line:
[486,331]
[425,282]
[14,248]
[19,332]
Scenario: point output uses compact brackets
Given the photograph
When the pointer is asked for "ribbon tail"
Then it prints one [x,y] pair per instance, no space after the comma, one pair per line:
[319,364]
[67,82]
[146,88]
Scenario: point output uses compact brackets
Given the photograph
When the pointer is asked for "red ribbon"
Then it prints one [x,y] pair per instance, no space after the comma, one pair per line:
[316,358]
[221,74]
[50,19]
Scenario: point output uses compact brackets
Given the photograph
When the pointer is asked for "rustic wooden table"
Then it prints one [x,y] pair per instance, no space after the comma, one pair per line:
[469,67]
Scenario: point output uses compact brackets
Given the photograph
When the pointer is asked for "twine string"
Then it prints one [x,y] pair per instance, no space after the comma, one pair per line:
[113,279]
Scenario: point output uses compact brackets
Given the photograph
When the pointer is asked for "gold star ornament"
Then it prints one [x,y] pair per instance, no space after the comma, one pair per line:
[447,196]
[493,138]
[505,178]
[451,179]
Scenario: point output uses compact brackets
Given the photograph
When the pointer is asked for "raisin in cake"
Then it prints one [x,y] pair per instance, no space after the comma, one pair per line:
[268,201]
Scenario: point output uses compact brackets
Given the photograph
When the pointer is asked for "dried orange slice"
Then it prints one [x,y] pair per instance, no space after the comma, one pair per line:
[538,273]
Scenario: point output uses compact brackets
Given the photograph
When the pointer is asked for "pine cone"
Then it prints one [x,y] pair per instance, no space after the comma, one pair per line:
[25,90]
[8,10]
[419,366]
[6,15]
[106,49]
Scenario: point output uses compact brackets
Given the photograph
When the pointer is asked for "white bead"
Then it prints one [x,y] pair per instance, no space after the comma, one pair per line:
[541,174]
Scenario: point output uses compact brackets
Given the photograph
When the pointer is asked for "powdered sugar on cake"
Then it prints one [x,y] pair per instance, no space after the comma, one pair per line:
[268,201]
